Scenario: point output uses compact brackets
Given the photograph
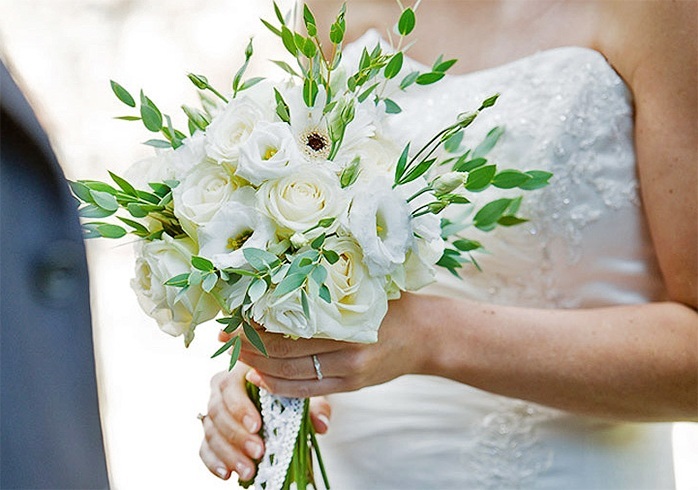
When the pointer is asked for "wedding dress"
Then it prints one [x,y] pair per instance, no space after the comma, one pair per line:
[586,245]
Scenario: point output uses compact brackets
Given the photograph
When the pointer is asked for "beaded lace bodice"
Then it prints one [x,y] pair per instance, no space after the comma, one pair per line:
[586,245]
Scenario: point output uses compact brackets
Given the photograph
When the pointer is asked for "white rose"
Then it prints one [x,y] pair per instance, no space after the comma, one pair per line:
[234,227]
[269,153]
[189,155]
[284,315]
[157,168]
[359,300]
[297,202]
[377,158]
[201,193]
[379,219]
[231,127]
[158,261]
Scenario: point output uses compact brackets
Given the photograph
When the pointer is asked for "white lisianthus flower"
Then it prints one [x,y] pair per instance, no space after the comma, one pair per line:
[358,300]
[158,261]
[234,227]
[201,193]
[231,127]
[298,202]
[419,268]
[284,315]
[269,153]
[379,219]
[377,158]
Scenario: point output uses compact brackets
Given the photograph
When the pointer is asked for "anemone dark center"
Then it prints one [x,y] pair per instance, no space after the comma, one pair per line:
[316,142]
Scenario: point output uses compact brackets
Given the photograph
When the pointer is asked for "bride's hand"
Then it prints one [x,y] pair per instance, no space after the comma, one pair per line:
[231,427]
[289,369]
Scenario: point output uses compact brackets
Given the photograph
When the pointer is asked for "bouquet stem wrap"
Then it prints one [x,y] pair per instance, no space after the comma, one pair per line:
[290,442]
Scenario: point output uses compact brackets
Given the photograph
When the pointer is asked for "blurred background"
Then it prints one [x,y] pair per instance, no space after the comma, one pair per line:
[64,52]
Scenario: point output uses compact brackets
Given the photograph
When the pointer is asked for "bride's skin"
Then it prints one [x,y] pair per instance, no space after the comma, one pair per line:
[634,363]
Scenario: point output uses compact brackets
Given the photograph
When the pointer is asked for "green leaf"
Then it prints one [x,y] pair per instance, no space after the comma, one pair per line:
[324,294]
[489,142]
[508,179]
[304,303]
[158,143]
[104,200]
[443,66]
[539,179]
[317,242]
[257,289]
[406,22]
[179,280]
[290,284]
[111,231]
[394,65]
[209,282]
[254,338]
[310,91]
[402,163]
[286,67]
[260,260]
[135,225]
[509,220]
[152,119]
[281,107]
[123,184]
[491,212]
[330,256]
[271,27]
[251,83]
[452,144]
[364,95]
[391,107]
[289,41]
[122,94]
[418,171]
[480,178]
[92,211]
[81,191]
[429,78]
[235,354]
[409,80]
[278,14]
[137,210]
[465,245]
[202,264]
[128,118]
[464,165]
[319,275]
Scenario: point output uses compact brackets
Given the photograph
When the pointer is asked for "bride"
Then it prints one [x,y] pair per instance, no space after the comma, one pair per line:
[561,363]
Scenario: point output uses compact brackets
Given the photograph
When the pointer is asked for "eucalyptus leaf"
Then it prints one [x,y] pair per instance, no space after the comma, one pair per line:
[180,280]
[235,354]
[123,184]
[406,22]
[402,163]
[122,94]
[257,289]
[224,347]
[394,65]
[155,143]
[254,338]
[480,178]
[508,179]
[418,171]
[409,79]
[488,143]
[465,245]
[152,119]
[290,283]
[135,225]
[104,200]
[324,293]
[209,282]
[81,191]
[202,264]
[92,211]
[491,212]
[111,231]
[429,78]
[260,260]
[391,107]
[539,179]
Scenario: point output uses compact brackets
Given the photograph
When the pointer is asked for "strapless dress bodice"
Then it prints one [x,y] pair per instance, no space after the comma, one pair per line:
[586,244]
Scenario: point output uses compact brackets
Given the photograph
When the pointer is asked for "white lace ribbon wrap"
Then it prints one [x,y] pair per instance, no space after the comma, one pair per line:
[282,418]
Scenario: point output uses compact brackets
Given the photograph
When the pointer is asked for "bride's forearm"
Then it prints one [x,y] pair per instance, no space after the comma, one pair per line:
[626,362]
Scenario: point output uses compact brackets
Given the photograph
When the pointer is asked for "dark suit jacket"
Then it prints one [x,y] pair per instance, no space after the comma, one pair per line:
[50,435]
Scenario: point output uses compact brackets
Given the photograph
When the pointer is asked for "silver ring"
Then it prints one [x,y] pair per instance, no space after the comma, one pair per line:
[316,364]
[202,417]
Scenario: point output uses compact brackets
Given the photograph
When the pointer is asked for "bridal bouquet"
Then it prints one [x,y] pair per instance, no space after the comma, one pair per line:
[291,205]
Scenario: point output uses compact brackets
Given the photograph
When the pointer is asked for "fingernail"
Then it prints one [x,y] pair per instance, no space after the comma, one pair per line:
[254,449]
[250,423]
[253,377]
[324,420]
[244,471]
[222,472]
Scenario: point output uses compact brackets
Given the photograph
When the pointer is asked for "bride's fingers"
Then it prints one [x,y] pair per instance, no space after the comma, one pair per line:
[320,412]
[220,457]
[279,346]
[330,364]
[298,388]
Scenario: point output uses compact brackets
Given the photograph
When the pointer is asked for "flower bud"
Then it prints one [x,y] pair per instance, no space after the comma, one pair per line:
[200,81]
[298,240]
[437,206]
[447,182]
